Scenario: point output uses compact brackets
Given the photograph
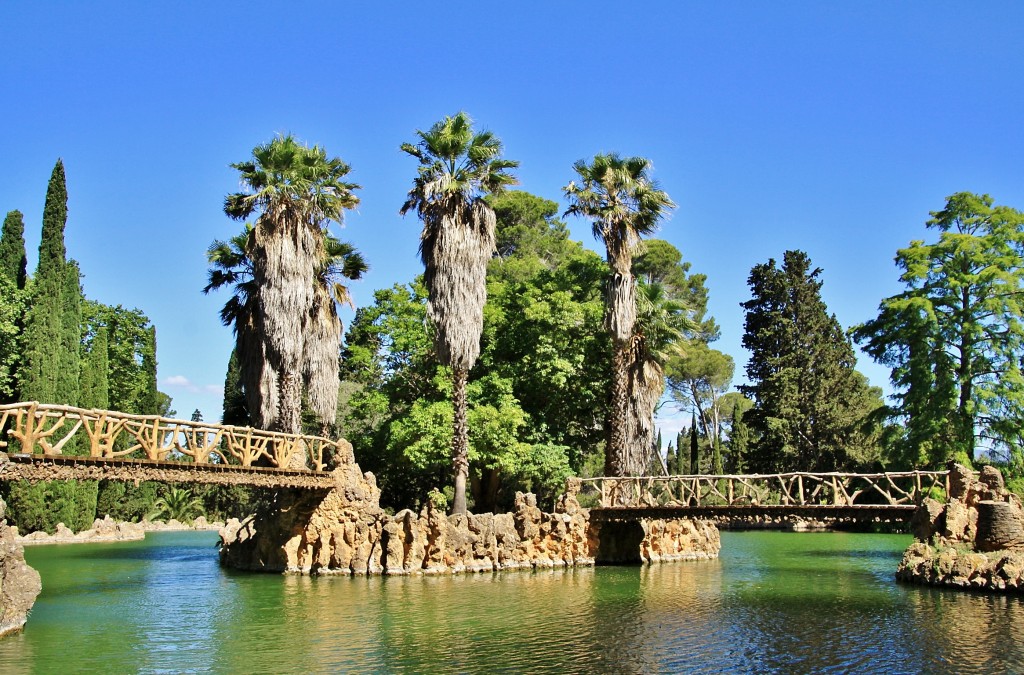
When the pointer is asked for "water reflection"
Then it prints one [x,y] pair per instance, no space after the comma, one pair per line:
[774,602]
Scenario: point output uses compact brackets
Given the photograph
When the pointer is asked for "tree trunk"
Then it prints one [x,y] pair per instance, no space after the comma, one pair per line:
[289,418]
[460,439]
[616,458]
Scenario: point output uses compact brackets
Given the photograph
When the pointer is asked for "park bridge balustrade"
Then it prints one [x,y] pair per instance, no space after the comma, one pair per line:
[833,495]
[48,441]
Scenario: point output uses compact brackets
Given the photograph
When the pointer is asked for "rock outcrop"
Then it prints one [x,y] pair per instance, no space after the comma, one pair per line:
[345,531]
[19,583]
[975,540]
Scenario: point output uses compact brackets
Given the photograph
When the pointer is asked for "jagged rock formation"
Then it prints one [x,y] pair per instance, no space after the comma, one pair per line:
[975,540]
[345,531]
[19,583]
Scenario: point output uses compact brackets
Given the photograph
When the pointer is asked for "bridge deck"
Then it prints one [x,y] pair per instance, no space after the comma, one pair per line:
[36,467]
[824,512]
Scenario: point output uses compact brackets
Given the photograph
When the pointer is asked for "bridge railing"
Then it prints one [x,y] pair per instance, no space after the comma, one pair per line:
[36,428]
[781,489]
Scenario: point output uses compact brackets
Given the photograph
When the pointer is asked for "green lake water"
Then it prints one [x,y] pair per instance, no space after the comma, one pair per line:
[774,602]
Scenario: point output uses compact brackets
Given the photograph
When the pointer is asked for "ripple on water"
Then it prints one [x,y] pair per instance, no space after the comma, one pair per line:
[774,602]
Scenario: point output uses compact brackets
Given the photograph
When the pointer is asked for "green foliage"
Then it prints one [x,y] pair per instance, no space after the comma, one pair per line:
[538,399]
[955,337]
[235,412]
[176,504]
[810,404]
[95,384]
[126,501]
[50,369]
[41,506]
[12,311]
[437,499]
[13,261]
[130,356]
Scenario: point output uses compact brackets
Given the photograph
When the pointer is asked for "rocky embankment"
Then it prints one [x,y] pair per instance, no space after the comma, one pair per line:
[345,532]
[107,529]
[19,583]
[974,541]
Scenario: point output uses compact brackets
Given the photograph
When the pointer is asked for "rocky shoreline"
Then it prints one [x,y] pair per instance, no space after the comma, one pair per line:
[974,541]
[19,583]
[345,532]
[108,530]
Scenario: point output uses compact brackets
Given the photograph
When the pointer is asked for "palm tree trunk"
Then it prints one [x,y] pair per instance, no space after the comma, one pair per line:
[460,439]
[616,459]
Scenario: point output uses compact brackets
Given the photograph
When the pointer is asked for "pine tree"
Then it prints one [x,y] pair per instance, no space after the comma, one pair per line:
[809,401]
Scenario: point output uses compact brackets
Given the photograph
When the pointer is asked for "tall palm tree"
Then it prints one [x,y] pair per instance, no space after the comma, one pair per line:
[295,190]
[457,169]
[659,332]
[230,266]
[618,194]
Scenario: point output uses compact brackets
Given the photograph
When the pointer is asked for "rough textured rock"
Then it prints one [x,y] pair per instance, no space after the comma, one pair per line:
[344,531]
[975,540]
[19,583]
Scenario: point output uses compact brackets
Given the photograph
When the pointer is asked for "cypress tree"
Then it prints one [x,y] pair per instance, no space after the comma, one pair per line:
[235,412]
[739,439]
[95,389]
[12,305]
[53,326]
[670,460]
[680,464]
[50,369]
[150,403]
[13,261]
[694,447]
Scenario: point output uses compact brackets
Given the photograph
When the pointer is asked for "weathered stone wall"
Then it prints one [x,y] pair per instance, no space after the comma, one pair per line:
[19,583]
[344,531]
[975,540]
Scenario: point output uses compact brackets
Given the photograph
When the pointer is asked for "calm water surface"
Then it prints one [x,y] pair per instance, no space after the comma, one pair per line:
[773,603]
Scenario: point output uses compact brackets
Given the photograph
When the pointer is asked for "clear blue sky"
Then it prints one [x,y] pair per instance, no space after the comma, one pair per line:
[830,127]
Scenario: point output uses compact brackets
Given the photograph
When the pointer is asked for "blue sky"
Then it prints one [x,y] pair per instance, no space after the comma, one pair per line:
[830,127]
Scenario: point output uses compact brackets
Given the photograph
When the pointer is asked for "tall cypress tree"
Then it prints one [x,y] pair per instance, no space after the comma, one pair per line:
[739,439]
[50,369]
[150,403]
[694,447]
[53,325]
[13,261]
[12,304]
[235,412]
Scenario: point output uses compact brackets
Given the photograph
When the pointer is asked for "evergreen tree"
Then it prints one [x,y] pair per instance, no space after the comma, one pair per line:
[739,439]
[955,337]
[671,459]
[694,447]
[810,404]
[235,412]
[151,400]
[95,386]
[52,329]
[13,261]
[13,278]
